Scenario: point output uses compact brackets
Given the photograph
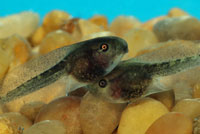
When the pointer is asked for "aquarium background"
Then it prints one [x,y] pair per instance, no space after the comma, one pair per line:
[142,9]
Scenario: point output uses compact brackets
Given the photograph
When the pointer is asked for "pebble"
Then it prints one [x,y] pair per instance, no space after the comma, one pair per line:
[123,24]
[30,110]
[98,34]
[55,40]
[139,39]
[23,24]
[189,107]
[13,123]
[20,47]
[167,98]
[196,125]
[98,116]
[37,37]
[196,90]
[5,60]
[86,27]
[171,123]
[139,115]
[47,127]
[184,27]
[150,24]
[100,20]
[176,12]
[65,109]
[54,20]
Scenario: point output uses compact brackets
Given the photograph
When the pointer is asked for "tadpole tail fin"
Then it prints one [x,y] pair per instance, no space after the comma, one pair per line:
[172,66]
[34,84]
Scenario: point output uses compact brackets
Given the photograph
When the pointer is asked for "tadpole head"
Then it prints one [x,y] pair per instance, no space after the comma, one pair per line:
[97,57]
[120,86]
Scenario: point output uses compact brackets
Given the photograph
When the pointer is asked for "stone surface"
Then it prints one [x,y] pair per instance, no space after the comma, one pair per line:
[196,90]
[13,123]
[3,108]
[86,27]
[20,47]
[47,127]
[189,107]
[30,110]
[139,39]
[123,24]
[98,116]
[100,20]
[23,24]
[167,98]
[55,40]
[176,12]
[54,20]
[98,34]
[150,24]
[171,123]
[38,36]
[196,125]
[184,27]
[139,116]
[65,109]
[5,60]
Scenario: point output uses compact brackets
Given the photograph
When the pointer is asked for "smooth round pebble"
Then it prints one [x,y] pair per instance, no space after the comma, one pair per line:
[171,123]
[47,127]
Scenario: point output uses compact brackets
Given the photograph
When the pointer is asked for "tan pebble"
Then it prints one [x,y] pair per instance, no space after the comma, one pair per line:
[30,110]
[3,108]
[23,24]
[123,24]
[65,109]
[71,26]
[86,27]
[176,12]
[167,98]
[98,34]
[37,36]
[13,123]
[55,40]
[47,127]
[150,24]
[139,39]
[99,116]
[5,60]
[139,115]
[20,47]
[189,107]
[196,125]
[184,27]
[196,91]
[100,20]
[171,123]
[54,20]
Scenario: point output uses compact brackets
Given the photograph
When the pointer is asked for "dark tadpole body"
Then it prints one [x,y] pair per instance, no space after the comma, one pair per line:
[81,63]
[133,78]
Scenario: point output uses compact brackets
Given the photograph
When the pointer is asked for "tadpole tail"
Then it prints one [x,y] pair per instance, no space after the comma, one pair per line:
[35,83]
[172,66]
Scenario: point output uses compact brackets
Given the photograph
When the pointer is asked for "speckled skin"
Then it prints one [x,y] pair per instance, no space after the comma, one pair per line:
[132,78]
[85,62]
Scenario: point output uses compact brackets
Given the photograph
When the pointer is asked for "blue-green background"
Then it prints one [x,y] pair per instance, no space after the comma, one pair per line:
[142,9]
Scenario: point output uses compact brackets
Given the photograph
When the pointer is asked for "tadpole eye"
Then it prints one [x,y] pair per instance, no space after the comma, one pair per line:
[102,83]
[104,47]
